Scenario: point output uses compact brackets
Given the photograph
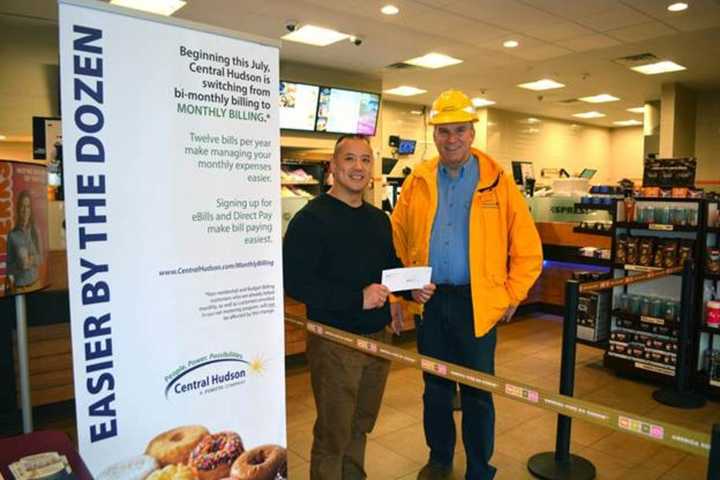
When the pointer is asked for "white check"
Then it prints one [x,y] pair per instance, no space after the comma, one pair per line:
[411,278]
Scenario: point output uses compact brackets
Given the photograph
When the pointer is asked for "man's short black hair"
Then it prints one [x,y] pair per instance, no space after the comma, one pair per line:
[350,136]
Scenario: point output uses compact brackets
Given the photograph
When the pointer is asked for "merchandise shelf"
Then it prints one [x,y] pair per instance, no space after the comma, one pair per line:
[593,206]
[710,330]
[657,227]
[593,231]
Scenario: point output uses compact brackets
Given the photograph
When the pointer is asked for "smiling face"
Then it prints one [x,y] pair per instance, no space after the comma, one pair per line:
[24,211]
[453,141]
[351,166]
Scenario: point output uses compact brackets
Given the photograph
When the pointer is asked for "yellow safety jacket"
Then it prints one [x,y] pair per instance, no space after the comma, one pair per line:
[505,252]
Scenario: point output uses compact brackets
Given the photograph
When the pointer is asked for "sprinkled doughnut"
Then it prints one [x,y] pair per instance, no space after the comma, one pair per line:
[174,446]
[212,457]
[136,468]
[266,462]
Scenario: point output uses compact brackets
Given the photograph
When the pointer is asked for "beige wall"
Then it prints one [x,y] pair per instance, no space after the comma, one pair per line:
[28,81]
[707,138]
[549,143]
[626,153]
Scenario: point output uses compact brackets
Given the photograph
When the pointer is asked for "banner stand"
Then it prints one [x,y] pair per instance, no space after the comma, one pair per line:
[23,363]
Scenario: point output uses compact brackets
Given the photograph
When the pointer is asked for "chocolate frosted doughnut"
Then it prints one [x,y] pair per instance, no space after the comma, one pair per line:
[174,446]
[212,457]
[261,463]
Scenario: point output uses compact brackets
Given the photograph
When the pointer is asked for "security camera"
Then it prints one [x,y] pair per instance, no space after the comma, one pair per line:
[291,25]
[540,98]
[357,41]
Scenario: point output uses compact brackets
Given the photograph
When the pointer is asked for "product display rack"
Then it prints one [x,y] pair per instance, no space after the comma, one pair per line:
[593,231]
[640,360]
[707,336]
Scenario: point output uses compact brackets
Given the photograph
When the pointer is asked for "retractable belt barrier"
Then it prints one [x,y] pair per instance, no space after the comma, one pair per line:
[618,282]
[690,441]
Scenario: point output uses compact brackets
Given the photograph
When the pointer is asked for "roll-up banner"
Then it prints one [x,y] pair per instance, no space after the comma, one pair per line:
[174,252]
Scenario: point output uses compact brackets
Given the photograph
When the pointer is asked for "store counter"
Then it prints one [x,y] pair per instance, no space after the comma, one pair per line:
[566,227]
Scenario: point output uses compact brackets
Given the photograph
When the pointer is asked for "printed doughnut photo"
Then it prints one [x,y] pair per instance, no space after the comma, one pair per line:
[212,457]
[175,446]
[266,462]
[191,452]
[135,468]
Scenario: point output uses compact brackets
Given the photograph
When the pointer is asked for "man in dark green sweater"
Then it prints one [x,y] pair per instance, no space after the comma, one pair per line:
[334,252]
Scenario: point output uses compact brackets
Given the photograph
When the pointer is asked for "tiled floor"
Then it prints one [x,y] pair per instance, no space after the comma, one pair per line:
[528,351]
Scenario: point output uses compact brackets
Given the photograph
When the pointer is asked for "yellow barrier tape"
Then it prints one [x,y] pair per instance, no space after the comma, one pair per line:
[690,441]
[616,282]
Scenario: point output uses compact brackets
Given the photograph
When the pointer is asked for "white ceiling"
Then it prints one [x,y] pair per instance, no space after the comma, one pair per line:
[571,41]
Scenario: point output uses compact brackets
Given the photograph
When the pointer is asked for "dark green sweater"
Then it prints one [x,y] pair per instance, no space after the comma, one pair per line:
[330,253]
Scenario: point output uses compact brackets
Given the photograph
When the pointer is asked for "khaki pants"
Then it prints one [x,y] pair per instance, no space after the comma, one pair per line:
[348,386]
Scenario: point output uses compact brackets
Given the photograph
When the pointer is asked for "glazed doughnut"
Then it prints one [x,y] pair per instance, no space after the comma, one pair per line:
[261,463]
[212,457]
[174,446]
[136,468]
[173,472]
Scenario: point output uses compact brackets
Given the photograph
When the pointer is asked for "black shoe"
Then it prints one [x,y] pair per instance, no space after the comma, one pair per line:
[434,471]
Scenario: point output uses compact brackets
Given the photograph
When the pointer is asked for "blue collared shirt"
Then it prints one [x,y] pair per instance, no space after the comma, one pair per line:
[450,231]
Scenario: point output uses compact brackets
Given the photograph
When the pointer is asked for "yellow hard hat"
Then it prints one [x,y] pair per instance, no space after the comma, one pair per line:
[452,106]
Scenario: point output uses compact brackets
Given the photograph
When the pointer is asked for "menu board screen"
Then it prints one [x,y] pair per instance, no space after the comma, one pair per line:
[298,106]
[347,111]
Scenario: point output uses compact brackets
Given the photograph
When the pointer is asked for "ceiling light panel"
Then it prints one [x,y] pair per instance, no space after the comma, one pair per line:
[433,60]
[678,7]
[511,44]
[601,98]
[390,10]
[159,7]
[636,110]
[316,36]
[544,84]
[627,123]
[404,91]
[659,67]
[482,102]
[589,115]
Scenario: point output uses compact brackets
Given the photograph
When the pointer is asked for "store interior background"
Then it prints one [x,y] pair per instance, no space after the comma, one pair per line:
[574,42]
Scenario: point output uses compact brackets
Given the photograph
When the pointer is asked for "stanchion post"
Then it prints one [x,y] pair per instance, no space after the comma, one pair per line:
[561,464]
[567,367]
[681,394]
[713,472]
[23,365]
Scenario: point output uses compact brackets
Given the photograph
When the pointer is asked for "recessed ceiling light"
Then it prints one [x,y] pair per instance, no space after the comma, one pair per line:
[678,7]
[627,123]
[533,120]
[390,10]
[317,36]
[659,67]
[589,115]
[160,7]
[602,98]
[433,60]
[416,112]
[3,137]
[544,84]
[481,102]
[636,110]
[511,43]
[404,91]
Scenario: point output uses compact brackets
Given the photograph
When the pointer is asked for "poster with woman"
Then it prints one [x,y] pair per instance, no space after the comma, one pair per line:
[23,227]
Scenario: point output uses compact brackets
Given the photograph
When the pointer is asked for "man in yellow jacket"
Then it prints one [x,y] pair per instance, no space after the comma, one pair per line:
[464,217]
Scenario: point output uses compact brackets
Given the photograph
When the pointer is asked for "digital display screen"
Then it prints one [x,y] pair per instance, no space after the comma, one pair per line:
[406,147]
[347,111]
[298,106]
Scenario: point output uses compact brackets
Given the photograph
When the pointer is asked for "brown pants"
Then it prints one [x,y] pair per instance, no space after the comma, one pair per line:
[348,386]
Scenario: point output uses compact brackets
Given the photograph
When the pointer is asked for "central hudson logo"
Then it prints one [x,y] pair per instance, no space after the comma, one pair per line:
[210,373]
